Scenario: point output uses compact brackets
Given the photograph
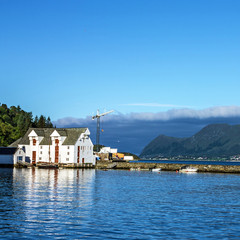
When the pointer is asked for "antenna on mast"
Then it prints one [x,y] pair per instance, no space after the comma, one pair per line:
[98,125]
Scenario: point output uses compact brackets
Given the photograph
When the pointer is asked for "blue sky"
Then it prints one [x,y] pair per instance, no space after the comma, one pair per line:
[70,58]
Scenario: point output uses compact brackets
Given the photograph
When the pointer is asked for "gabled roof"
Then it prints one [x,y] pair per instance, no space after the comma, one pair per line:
[15,144]
[41,132]
[71,134]
[61,132]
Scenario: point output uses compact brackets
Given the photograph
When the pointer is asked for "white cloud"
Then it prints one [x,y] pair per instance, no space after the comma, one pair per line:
[184,113]
[213,112]
[155,105]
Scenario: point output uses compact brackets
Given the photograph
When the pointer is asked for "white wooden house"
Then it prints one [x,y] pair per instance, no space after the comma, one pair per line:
[55,145]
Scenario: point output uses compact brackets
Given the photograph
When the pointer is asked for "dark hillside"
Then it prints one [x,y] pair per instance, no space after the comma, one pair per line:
[215,140]
[14,123]
[164,141]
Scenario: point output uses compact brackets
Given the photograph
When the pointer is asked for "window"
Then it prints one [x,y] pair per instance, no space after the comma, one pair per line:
[40,158]
[40,152]
[41,147]
[67,153]
[34,142]
[68,147]
[67,159]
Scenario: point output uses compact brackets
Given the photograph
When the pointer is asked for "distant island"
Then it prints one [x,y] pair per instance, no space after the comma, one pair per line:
[14,123]
[213,141]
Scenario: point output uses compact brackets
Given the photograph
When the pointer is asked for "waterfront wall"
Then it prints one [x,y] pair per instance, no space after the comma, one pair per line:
[147,166]
[166,166]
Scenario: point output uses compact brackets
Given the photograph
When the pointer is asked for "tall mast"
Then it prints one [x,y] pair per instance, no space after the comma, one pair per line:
[98,125]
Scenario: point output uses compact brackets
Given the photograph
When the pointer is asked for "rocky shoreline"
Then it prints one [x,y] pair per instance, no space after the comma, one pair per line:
[167,166]
[105,165]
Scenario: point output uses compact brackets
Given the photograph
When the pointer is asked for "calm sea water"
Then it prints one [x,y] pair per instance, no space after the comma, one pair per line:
[95,204]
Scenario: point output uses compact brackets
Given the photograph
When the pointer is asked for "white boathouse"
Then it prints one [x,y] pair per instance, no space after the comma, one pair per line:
[55,145]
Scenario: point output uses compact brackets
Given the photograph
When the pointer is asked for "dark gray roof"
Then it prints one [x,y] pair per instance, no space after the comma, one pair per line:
[62,133]
[25,139]
[41,132]
[7,150]
[15,144]
[71,134]
[47,133]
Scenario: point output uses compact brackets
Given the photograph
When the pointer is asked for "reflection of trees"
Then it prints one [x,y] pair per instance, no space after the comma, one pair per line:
[6,191]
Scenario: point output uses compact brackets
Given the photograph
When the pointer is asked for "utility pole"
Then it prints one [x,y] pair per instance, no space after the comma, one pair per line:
[98,125]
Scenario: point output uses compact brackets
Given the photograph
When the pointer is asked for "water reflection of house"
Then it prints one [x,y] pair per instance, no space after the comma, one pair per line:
[49,188]
[55,145]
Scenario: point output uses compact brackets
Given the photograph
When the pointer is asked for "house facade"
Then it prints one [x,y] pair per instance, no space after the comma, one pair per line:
[55,145]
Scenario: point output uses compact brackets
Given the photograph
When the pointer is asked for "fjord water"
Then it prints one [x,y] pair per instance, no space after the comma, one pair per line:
[95,204]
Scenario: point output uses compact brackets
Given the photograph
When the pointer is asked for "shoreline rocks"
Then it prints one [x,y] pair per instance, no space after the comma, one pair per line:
[168,166]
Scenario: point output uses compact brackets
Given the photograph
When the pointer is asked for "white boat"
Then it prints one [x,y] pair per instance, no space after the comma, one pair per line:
[188,169]
[156,169]
[135,169]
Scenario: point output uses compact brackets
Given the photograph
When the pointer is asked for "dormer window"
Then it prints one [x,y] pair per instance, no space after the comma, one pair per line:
[34,142]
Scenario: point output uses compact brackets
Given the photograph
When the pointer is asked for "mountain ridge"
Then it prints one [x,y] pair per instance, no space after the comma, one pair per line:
[214,140]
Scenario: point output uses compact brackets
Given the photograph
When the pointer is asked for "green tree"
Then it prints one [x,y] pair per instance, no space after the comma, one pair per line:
[49,123]
[6,118]
[35,122]
[6,134]
[41,122]
[14,123]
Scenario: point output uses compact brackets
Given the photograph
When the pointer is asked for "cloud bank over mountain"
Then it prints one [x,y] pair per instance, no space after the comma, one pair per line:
[132,132]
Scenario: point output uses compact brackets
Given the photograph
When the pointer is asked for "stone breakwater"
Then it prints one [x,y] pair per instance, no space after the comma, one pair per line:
[166,166]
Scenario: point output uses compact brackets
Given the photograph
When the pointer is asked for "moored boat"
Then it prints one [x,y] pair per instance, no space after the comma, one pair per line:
[47,165]
[156,169]
[188,169]
[135,169]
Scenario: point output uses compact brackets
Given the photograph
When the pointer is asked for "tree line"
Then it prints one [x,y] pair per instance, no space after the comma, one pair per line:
[14,123]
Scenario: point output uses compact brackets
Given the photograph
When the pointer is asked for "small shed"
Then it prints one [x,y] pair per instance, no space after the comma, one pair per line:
[7,156]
